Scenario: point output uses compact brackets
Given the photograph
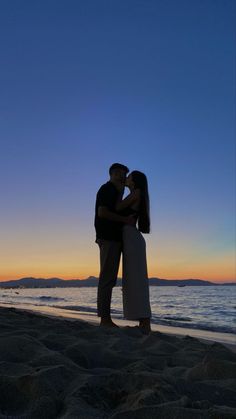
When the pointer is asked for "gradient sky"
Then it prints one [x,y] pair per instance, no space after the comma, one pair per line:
[85,83]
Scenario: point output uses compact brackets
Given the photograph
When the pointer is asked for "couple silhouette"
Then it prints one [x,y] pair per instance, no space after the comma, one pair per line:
[119,224]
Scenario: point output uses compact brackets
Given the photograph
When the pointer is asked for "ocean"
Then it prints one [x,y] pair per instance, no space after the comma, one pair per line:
[210,308]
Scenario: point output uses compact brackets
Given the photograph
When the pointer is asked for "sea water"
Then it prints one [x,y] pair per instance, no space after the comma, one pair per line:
[197,307]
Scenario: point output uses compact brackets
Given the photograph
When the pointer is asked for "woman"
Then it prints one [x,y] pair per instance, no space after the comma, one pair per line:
[136,302]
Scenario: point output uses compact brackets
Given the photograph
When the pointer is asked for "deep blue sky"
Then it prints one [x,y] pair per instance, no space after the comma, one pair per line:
[148,83]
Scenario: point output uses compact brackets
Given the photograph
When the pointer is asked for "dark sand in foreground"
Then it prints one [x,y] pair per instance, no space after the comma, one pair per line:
[53,368]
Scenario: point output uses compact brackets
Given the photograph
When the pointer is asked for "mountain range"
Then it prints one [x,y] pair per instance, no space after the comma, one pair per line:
[93,281]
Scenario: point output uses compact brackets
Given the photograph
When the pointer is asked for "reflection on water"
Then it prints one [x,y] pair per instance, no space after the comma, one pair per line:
[209,308]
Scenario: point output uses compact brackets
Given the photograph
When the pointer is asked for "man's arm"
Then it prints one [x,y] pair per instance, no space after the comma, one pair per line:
[104,212]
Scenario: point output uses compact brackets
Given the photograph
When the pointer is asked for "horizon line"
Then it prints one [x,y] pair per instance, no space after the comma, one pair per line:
[92,276]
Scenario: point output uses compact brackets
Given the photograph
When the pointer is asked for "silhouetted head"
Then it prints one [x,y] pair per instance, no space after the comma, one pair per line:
[118,172]
[138,180]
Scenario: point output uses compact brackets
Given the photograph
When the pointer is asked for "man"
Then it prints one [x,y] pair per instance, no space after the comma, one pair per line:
[108,226]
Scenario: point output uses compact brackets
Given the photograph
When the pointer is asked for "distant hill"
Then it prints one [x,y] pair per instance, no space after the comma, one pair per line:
[93,281]
[179,282]
[49,283]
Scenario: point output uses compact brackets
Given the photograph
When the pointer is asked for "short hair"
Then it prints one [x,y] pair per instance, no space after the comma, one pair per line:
[119,166]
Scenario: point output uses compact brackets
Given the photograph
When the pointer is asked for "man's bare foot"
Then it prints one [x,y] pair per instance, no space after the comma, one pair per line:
[107,322]
[145,326]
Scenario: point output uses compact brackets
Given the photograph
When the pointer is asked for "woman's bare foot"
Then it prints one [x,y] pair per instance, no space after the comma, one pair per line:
[107,322]
[145,326]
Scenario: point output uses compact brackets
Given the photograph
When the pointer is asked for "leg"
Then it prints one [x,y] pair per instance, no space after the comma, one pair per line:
[145,325]
[136,299]
[110,252]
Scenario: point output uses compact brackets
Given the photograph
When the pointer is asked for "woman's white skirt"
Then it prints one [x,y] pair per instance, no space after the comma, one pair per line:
[135,287]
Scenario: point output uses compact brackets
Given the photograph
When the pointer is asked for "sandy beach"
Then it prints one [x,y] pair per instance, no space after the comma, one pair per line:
[63,368]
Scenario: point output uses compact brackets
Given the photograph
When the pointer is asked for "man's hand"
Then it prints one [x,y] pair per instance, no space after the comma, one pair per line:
[131,220]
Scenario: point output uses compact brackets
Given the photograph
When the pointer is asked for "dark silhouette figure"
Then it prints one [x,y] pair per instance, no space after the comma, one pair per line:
[108,225]
[135,287]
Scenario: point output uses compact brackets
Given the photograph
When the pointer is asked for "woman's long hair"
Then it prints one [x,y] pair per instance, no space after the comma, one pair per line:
[140,182]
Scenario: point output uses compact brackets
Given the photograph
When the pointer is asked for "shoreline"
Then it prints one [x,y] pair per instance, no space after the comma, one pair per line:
[227,339]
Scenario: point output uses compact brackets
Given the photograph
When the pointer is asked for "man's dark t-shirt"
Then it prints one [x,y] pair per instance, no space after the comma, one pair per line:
[107,196]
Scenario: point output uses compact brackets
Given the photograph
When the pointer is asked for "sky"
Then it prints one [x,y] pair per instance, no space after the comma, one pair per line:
[147,83]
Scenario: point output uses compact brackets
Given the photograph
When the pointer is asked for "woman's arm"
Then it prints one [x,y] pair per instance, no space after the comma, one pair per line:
[130,200]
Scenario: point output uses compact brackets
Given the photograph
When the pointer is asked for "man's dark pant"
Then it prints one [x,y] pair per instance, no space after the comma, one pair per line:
[110,252]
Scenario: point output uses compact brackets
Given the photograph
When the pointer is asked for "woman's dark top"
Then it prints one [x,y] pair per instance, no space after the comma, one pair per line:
[129,211]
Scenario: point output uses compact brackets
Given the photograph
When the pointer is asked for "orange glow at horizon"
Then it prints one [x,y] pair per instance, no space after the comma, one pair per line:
[70,254]
[164,273]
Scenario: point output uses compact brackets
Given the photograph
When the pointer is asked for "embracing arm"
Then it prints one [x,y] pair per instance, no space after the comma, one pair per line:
[104,212]
[130,200]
